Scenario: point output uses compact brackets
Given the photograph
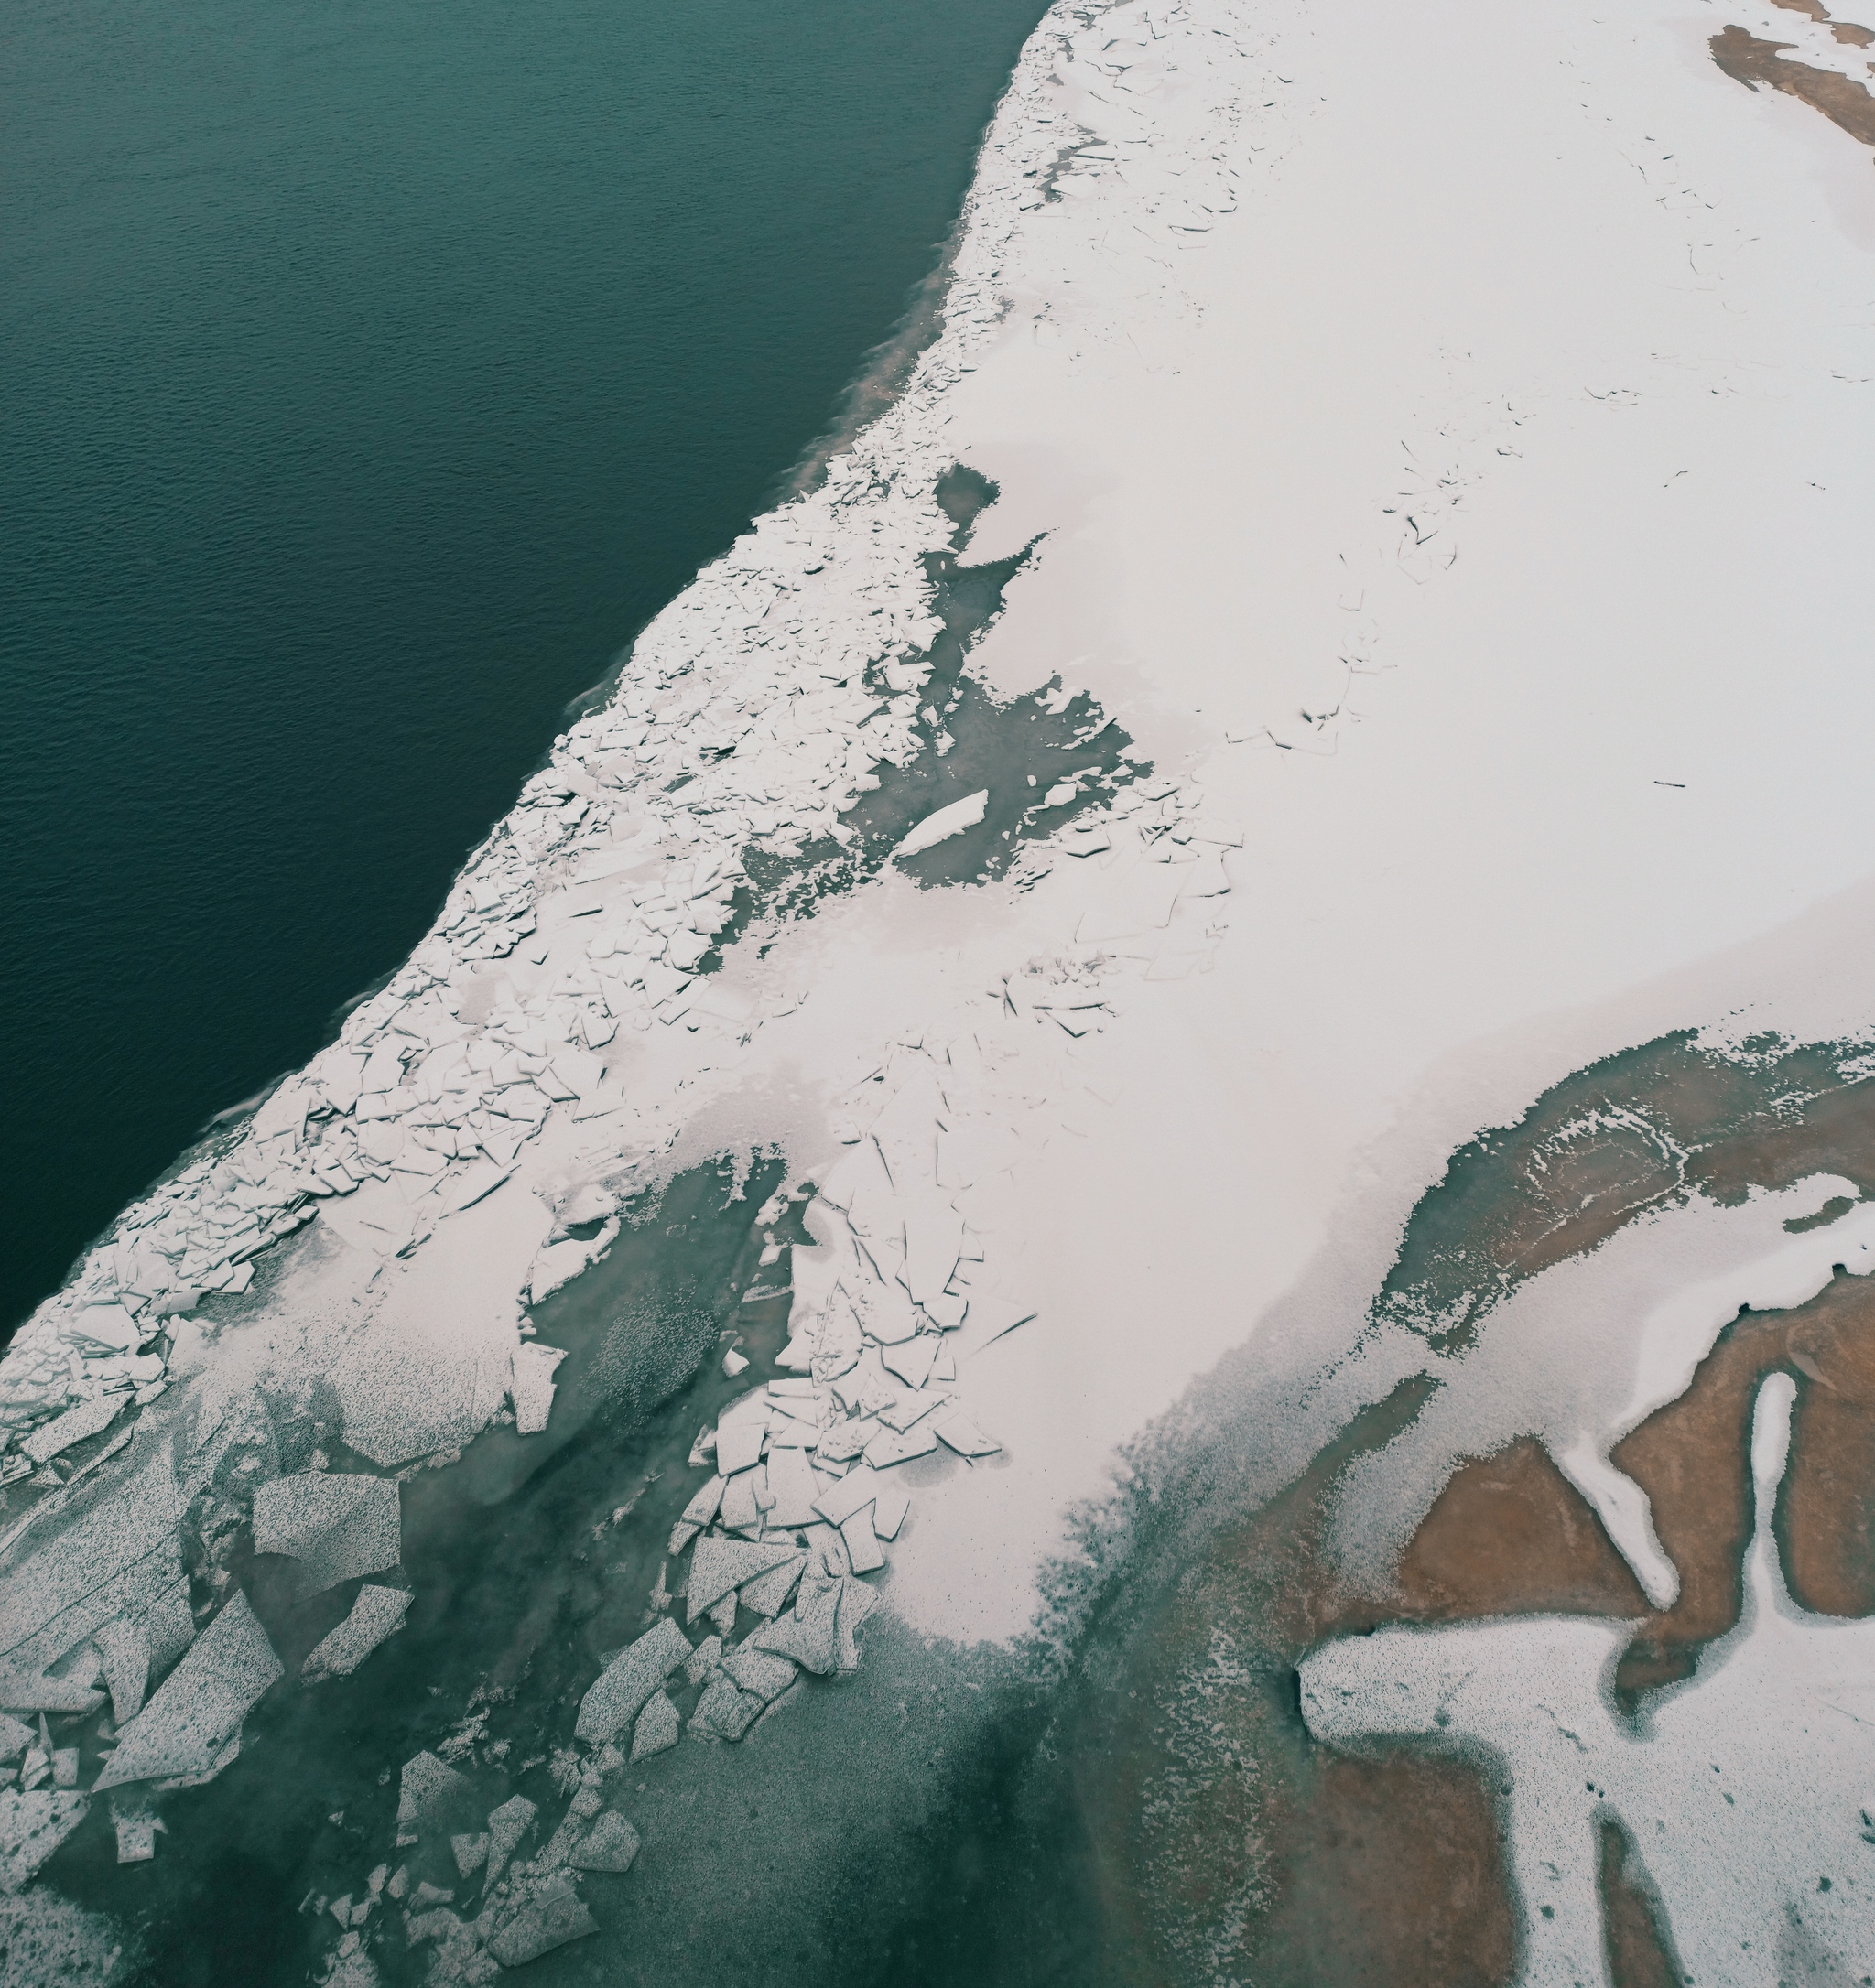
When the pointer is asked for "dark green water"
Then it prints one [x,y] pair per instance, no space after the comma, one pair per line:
[373,373]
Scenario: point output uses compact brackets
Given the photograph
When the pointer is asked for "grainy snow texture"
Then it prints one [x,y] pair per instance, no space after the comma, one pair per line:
[1445,442]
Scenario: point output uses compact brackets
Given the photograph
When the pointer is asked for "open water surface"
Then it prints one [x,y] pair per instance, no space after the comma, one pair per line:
[374,374]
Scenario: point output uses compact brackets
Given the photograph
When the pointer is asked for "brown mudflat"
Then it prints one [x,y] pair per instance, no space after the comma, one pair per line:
[1746,59]
[1510,1535]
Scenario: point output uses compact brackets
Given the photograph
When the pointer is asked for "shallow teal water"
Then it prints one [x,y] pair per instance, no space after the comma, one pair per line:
[373,373]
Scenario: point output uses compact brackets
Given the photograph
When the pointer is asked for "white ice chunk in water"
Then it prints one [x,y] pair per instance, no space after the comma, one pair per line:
[945,823]
[531,1385]
[657,1728]
[377,1613]
[549,1919]
[506,1826]
[428,1791]
[620,1691]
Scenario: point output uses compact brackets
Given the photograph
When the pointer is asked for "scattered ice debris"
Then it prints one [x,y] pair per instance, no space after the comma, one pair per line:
[32,1826]
[376,1614]
[336,1524]
[191,1725]
[532,1387]
[429,1794]
[619,1693]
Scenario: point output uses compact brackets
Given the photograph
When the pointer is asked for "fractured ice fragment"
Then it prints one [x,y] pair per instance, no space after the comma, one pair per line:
[962,1435]
[15,1736]
[87,1418]
[857,1600]
[912,1359]
[20,1693]
[889,1447]
[888,1511]
[840,1501]
[136,1838]
[807,1636]
[768,1594]
[377,1613]
[471,1852]
[32,1826]
[719,1565]
[429,1792]
[861,1543]
[550,1918]
[125,1649]
[609,1844]
[336,1524]
[621,1690]
[761,1673]
[739,1444]
[192,1724]
[506,1826]
[703,1507]
[724,1711]
[703,1660]
[657,1727]
[723,1613]
[946,822]
[531,1387]
[741,1508]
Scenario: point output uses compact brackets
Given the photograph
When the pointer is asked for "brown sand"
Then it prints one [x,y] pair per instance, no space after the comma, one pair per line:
[1748,61]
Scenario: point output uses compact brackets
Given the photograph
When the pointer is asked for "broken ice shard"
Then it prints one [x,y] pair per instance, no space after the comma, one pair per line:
[376,1614]
[621,1690]
[186,1727]
[335,1524]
